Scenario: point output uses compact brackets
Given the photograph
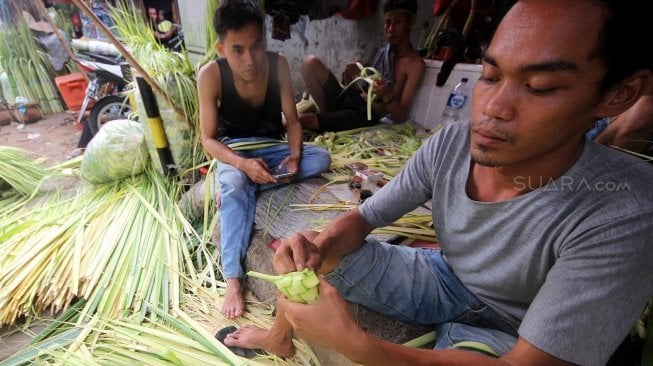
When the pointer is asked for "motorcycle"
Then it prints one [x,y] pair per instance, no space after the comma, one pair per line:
[105,92]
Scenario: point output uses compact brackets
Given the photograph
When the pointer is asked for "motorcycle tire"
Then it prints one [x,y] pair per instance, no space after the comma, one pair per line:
[108,109]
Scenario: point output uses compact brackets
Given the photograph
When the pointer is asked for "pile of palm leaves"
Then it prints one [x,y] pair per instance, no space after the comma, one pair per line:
[129,260]
[384,148]
[25,65]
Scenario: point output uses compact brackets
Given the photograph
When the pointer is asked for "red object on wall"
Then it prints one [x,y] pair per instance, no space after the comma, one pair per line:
[359,9]
[440,6]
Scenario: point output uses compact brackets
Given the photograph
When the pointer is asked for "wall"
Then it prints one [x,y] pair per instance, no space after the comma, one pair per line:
[193,22]
[335,40]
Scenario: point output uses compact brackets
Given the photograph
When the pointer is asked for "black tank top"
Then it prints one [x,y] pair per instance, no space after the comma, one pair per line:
[237,118]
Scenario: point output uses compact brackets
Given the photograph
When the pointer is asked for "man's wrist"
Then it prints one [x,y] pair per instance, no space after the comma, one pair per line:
[240,163]
[392,98]
[357,346]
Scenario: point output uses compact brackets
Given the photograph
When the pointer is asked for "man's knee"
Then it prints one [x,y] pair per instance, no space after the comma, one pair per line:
[309,121]
[316,159]
[313,67]
[329,264]
[322,159]
[233,180]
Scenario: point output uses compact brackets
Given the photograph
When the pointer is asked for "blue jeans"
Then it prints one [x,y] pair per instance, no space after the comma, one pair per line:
[238,197]
[417,285]
[599,126]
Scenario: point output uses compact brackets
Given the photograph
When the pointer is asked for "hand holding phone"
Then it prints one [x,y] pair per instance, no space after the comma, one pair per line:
[283,175]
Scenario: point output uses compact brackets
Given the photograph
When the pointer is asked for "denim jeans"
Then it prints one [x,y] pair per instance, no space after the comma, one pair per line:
[599,126]
[238,197]
[417,285]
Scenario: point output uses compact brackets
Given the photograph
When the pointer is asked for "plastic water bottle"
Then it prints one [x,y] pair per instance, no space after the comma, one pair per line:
[455,103]
[20,105]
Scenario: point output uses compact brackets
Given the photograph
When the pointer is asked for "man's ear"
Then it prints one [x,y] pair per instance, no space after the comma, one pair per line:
[219,46]
[624,95]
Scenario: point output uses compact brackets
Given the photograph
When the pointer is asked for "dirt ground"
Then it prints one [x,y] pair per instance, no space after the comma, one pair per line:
[53,137]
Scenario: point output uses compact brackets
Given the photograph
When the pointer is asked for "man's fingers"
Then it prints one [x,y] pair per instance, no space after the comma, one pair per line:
[263,164]
[291,253]
[314,259]
[299,251]
[283,261]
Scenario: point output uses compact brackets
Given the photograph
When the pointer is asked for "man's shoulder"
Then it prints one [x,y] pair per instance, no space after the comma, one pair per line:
[209,79]
[614,178]
[609,161]
[280,60]
[414,56]
[411,63]
[209,70]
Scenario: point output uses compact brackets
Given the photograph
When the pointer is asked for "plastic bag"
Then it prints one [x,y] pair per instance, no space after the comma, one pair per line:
[117,151]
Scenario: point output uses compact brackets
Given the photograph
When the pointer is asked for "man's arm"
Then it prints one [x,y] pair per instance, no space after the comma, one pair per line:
[164,35]
[350,73]
[342,236]
[289,109]
[167,35]
[386,353]
[632,129]
[342,334]
[398,100]
[209,93]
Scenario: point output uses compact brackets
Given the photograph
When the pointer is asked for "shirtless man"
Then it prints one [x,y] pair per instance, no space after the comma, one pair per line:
[242,96]
[400,65]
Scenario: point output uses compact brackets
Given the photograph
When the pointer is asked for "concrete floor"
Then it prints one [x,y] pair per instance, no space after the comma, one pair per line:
[15,337]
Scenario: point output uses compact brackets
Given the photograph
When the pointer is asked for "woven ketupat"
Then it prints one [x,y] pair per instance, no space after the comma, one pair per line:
[298,286]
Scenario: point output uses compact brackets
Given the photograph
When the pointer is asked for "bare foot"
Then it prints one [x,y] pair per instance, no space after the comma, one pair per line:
[252,337]
[234,302]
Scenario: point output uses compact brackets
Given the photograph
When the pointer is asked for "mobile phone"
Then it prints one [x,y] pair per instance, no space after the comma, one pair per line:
[283,175]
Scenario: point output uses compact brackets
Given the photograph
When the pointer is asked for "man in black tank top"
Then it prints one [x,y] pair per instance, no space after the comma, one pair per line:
[242,96]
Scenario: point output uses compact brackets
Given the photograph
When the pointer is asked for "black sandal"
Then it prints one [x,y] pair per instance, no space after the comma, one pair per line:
[242,352]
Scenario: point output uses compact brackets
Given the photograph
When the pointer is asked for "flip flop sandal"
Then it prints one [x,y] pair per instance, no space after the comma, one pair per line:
[242,352]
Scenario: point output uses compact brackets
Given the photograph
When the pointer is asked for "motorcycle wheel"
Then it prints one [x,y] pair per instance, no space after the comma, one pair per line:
[108,109]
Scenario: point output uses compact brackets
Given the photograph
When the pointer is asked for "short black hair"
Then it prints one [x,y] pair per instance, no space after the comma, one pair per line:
[235,14]
[624,42]
[409,6]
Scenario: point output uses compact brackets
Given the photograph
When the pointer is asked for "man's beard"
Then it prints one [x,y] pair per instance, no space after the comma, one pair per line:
[481,159]
[481,155]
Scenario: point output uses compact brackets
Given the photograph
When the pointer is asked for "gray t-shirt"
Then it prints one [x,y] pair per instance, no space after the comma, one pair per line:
[569,264]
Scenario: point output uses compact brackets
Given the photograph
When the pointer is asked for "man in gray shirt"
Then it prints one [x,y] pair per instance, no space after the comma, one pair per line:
[546,237]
